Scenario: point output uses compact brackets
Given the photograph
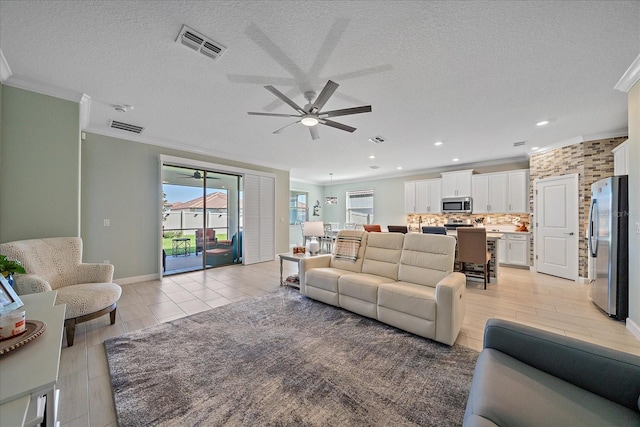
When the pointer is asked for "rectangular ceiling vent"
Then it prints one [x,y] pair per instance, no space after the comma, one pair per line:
[200,43]
[377,139]
[519,143]
[114,124]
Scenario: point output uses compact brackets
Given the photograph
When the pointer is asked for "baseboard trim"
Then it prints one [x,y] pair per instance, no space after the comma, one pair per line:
[129,280]
[633,328]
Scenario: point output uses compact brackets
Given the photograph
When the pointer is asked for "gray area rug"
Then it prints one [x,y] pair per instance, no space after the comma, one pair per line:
[283,359]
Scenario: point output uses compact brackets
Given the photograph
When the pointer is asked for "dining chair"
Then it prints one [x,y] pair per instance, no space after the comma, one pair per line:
[349,225]
[372,227]
[398,229]
[328,238]
[472,248]
[430,229]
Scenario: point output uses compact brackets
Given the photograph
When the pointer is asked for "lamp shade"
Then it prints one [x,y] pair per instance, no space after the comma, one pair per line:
[313,229]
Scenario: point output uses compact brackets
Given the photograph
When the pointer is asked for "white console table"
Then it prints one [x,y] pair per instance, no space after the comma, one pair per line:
[29,374]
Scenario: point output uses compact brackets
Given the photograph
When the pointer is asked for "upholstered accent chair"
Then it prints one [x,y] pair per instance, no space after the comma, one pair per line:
[56,264]
[206,240]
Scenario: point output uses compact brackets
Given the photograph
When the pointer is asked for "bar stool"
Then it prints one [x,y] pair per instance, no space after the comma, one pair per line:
[472,248]
[430,229]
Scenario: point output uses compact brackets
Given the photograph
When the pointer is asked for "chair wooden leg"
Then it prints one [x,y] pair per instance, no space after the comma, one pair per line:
[488,271]
[70,326]
[112,316]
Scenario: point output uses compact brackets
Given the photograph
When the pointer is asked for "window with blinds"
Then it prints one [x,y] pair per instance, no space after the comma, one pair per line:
[360,206]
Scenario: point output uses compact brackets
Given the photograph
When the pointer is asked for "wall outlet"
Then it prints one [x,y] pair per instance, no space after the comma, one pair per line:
[637,227]
[106,222]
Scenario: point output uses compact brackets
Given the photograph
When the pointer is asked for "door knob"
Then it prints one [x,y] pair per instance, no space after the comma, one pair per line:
[570,234]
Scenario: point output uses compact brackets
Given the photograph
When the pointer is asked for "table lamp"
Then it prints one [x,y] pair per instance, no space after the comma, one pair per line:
[313,229]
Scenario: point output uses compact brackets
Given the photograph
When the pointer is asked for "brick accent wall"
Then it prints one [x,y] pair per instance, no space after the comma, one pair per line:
[591,160]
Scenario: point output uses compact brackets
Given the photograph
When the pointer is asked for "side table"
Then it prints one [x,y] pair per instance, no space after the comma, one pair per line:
[29,374]
[293,258]
[181,246]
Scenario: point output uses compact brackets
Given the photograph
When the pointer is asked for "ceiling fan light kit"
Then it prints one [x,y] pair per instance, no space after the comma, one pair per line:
[311,115]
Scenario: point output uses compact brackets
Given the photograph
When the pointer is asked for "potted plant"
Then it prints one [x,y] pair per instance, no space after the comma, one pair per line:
[8,267]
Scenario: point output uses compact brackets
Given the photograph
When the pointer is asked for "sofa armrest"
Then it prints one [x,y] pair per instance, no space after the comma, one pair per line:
[609,373]
[30,284]
[319,261]
[95,273]
[450,304]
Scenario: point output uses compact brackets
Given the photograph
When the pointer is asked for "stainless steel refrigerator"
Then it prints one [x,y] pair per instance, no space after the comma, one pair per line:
[608,246]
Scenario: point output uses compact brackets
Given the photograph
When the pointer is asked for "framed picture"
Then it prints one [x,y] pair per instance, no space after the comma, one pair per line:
[9,300]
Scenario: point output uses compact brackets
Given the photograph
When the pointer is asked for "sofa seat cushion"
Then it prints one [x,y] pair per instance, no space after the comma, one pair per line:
[508,392]
[409,298]
[325,278]
[87,298]
[361,286]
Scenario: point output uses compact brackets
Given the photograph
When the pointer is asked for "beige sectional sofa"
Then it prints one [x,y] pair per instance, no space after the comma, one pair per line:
[404,280]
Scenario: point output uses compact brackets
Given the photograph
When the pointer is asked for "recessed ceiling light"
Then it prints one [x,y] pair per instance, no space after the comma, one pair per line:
[455,160]
[372,156]
[437,143]
[399,168]
[542,123]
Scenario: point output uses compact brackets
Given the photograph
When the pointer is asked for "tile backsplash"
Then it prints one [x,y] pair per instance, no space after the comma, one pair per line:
[414,221]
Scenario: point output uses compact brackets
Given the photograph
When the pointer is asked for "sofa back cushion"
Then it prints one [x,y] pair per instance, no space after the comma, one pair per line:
[426,258]
[54,260]
[342,262]
[382,254]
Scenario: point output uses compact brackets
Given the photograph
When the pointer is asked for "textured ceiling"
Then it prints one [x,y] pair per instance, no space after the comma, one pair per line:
[476,75]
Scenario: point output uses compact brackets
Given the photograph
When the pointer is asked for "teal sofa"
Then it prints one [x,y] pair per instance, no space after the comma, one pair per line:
[528,377]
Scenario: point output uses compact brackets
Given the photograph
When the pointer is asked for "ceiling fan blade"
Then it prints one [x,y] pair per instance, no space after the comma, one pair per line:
[251,113]
[337,125]
[314,132]
[346,111]
[285,98]
[283,128]
[324,96]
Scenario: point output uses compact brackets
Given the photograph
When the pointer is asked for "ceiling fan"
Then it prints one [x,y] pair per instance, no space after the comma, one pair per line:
[196,175]
[311,115]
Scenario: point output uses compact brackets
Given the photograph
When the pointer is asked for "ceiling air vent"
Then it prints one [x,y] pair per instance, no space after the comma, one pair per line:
[374,167]
[377,139]
[114,124]
[200,43]
[519,143]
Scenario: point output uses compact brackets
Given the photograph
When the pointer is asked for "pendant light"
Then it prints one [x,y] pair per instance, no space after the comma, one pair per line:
[331,200]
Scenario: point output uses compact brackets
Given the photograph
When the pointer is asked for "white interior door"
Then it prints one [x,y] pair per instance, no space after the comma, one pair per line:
[556,230]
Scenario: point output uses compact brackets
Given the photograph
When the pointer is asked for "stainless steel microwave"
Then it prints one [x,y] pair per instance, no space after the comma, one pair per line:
[457,205]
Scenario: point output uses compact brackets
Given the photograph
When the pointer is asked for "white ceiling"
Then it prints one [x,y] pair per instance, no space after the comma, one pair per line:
[476,75]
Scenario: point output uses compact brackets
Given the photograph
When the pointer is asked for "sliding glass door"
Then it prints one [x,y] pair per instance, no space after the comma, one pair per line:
[201,219]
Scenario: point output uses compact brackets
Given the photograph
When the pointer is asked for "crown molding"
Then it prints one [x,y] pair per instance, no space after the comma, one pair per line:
[44,89]
[630,77]
[5,70]
[113,133]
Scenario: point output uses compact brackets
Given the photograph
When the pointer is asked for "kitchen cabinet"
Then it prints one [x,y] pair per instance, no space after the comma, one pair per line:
[621,159]
[513,249]
[422,196]
[489,193]
[518,191]
[456,184]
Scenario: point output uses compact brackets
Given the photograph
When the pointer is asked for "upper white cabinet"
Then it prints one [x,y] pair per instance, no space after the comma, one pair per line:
[456,184]
[621,159]
[518,191]
[490,193]
[428,195]
[422,196]
[410,197]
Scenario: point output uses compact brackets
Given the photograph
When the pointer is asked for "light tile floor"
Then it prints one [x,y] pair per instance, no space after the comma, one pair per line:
[550,303]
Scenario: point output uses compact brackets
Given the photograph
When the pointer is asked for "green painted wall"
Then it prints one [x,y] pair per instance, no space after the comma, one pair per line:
[39,166]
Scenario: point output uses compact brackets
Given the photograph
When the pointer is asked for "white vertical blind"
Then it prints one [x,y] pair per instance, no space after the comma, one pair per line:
[259,219]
